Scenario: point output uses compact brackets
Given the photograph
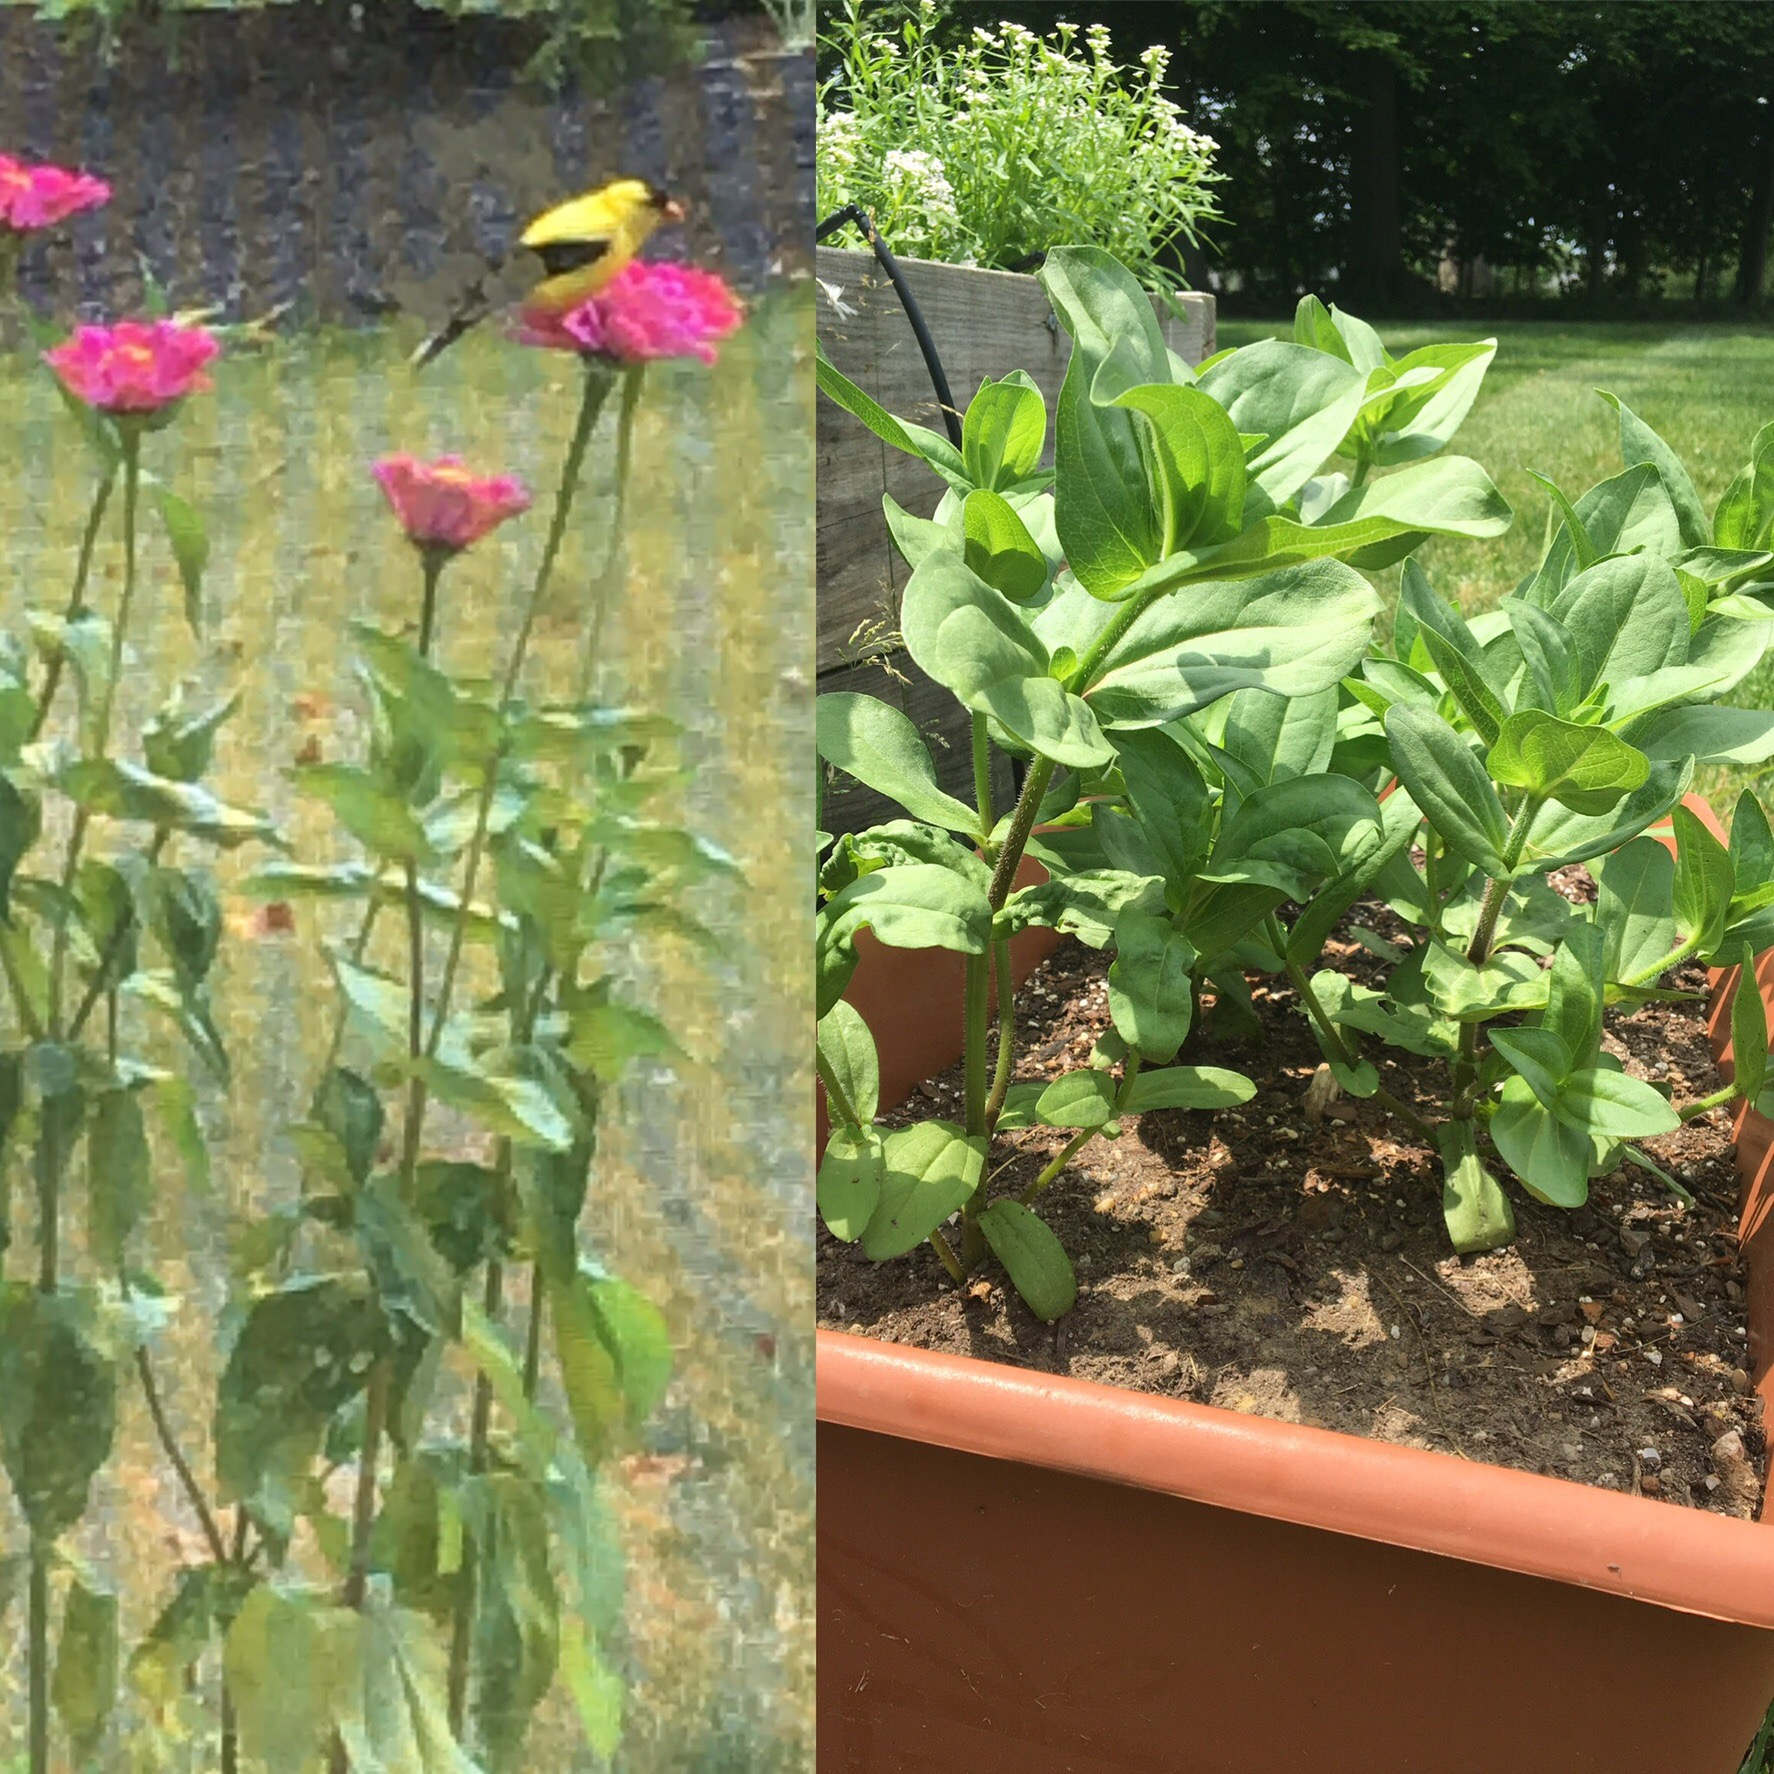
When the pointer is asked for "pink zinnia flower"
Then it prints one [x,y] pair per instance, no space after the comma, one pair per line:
[39,196]
[649,309]
[136,366]
[442,504]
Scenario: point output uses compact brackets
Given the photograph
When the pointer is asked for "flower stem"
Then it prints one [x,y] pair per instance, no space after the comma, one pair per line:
[616,558]
[77,597]
[206,1520]
[835,1095]
[39,1655]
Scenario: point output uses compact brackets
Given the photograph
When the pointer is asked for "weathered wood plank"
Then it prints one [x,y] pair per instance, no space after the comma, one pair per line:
[985,323]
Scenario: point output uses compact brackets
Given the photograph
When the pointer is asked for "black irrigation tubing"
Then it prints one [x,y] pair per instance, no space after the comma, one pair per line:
[853,213]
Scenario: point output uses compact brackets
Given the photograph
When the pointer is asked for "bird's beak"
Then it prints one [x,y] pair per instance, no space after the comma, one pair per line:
[673,210]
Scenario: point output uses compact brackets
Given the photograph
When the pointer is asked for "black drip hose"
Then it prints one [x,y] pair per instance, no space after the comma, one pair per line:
[855,214]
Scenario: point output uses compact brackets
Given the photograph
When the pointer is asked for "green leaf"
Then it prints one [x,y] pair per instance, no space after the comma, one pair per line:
[1550,1156]
[1749,1031]
[1033,1258]
[1587,769]
[1278,737]
[412,1274]
[1200,478]
[873,742]
[1421,420]
[190,546]
[1084,905]
[1627,617]
[1602,1104]
[914,440]
[1540,1058]
[1169,799]
[1294,633]
[849,1182]
[596,1689]
[1004,432]
[375,816]
[1704,883]
[975,642]
[1707,735]
[607,1035]
[1575,993]
[588,1368]
[1559,836]
[1150,998]
[83,641]
[1296,834]
[1000,549]
[1079,1099]
[1476,1210]
[918,907]
[1639,443]
[179,746]
[1509,980]
[928,1171]
[1109,527]
[121,1172]
[1188,1087]
[302,1352]
[347,1107]
[21,824]
[848,1048]
[58,1406]
[86,1667]
[1299,401]
[1446,780]
[125,791]
[1634,910]
[636,1337]
[288,1653]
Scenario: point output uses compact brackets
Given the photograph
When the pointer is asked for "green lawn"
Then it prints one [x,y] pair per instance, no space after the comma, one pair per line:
[1706,390]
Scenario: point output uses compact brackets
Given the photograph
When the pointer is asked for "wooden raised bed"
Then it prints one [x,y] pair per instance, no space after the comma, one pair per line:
[1021,1573]
[984,323]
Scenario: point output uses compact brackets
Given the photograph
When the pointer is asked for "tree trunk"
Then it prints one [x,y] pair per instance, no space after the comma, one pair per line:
[1752,260]
[1374,271]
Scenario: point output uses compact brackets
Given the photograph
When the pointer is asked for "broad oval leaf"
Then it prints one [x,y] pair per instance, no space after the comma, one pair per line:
[927,1172]
[872,741]
[1188,1087]
[1587,769]
[1033,1257]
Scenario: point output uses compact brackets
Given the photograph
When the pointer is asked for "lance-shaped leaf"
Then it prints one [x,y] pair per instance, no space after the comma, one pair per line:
[927,1172]
[1704,883]
[1033,1257]
[1587,769]
[1629,514]
[1551,1157]
[1298,401]
[1083,905]
[1079,1099]
[1475,1208]
[1559,836]
[1634,911]
[1603,1104]
[922,906]
[86,1666]
[873,742]
[1639,443]
[178,745]
[1413,1027]
[848,1186]
[1150,997]
[1200,464]
[915,440]
[1276,737]
[1293,633]
[1109,525]
[1420,420]
[1749,1030]
[1575,995]
[1400,821]
[975,642]
[126,791]
[1446,780]
[1451,497]
[1169,799]
[1003,432]
[999,547]
[1188,1087]
[848,1048]
[1744,514]
[58,1406]
[1454,651]
[1628,618]
[1294,835]
[1708,735]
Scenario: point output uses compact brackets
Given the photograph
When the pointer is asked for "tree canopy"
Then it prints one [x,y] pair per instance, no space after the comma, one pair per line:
[1607,148]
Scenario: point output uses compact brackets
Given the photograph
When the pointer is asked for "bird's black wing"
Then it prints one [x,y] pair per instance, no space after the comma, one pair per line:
[561,256]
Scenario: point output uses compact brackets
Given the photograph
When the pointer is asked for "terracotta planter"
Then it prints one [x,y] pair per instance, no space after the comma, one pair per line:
[1030,1574]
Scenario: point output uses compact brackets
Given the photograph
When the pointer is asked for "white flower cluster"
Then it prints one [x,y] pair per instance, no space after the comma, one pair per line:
[917,181]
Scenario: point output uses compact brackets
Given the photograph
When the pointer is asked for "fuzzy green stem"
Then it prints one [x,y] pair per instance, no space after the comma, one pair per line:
[433,560]
[946,1256]
[77,597]
[1005,987]
[467,1579]
[1478,951]
[1717,1100]
[1022,823]
[982,778]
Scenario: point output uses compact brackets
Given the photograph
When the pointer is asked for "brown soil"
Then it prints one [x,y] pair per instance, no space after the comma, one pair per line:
[1257,1261]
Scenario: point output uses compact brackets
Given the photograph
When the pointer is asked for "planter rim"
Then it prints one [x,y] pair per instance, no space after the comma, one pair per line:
[1689,1560]
[1686,1559]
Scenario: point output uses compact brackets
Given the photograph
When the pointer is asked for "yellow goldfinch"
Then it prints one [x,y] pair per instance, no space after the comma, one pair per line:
[580,244]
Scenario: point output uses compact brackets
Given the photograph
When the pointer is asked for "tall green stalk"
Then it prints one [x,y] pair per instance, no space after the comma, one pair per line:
[616,558]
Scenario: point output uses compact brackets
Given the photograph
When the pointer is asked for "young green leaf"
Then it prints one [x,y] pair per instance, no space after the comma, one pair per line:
[1003,432]
[1188,1087]
[1033,1257]
[1150,995]
[1749,1030]
[1000,549]
[1639,443]
[86,1666]
[848,1187]
[1610,1105]
[1079,1099]
[1549,1155]
[1704,883]
[848,1047]
[1540,1058]
[1446,780]
[1587,769]
[1634,911]
[928,1171]
[1475,1208]
[915,440]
